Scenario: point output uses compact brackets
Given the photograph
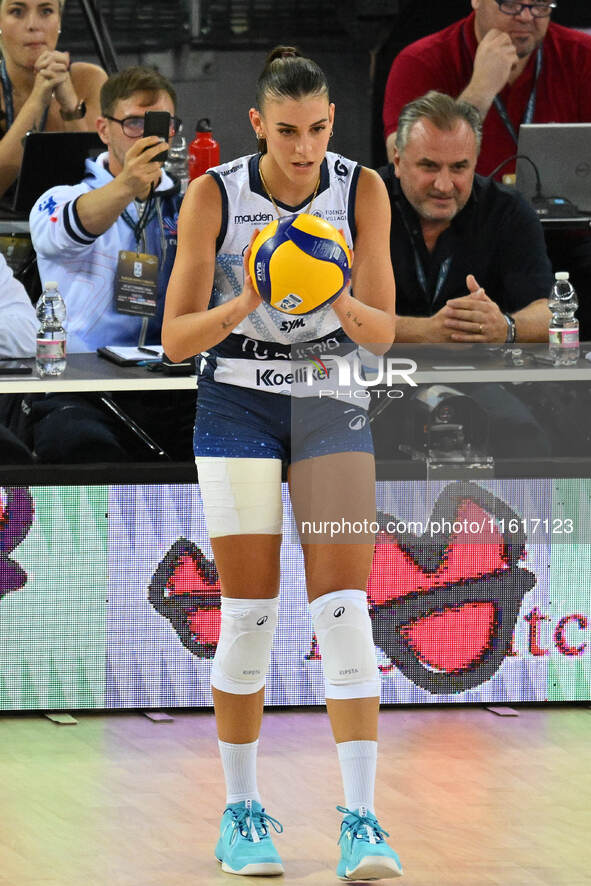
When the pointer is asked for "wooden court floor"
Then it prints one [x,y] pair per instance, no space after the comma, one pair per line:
[468,798]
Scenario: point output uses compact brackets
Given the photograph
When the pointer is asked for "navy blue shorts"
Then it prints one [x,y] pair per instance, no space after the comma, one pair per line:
[238,422]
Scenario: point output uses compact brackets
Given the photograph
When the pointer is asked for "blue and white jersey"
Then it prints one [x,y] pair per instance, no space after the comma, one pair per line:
[267,334]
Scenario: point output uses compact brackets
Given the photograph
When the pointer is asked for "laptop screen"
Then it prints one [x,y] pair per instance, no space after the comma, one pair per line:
[562,155]
[49,159]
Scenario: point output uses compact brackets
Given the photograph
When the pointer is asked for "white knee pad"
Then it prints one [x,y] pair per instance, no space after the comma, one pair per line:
[241,496]
[242,656]
[343,630]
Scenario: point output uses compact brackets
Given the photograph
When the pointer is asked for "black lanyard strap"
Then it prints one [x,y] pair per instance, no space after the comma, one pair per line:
[530,108]
[421,275]
[148,213]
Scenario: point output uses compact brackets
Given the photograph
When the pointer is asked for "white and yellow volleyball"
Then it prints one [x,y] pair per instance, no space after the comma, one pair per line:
[300,263]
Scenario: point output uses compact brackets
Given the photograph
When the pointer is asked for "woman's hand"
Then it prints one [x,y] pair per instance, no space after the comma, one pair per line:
[53,78]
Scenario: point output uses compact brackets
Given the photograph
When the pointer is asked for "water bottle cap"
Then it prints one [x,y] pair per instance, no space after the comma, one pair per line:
[203,125]
[561,275]
[51,284]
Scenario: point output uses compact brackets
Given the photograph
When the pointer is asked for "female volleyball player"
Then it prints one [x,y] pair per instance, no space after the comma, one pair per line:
[246,428]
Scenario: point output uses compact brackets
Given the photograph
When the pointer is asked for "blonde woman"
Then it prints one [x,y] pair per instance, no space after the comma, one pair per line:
[39,87]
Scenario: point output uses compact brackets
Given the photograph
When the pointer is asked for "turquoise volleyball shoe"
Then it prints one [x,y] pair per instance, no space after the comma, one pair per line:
[365,855]
[245,846]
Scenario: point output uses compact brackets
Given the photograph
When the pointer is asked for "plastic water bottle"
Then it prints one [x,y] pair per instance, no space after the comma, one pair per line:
[177,163]
[563,334]
[204,151]
[51,335]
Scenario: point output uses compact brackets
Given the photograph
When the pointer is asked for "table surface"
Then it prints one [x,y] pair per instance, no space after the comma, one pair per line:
[448,365]
[88,372]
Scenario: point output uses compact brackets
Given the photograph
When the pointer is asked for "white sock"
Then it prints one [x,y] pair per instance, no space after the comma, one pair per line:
[358,761]
[240,770]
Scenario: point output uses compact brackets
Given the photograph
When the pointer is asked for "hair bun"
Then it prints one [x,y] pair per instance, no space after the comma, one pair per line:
[282,52]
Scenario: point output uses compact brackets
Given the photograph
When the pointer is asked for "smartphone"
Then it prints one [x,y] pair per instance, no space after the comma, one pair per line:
[158,123]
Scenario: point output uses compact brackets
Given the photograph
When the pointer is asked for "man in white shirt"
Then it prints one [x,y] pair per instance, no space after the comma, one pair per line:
[18,323]
[18,329]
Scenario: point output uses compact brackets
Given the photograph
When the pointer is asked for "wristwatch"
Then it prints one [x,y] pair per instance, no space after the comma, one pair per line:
[510,329]
[77,114]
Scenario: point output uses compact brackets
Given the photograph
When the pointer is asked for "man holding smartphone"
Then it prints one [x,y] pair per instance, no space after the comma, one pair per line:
[110,243]
[126,203]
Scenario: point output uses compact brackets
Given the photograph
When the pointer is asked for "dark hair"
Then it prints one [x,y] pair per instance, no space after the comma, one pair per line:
[126,83]
[287,74]
[442,110]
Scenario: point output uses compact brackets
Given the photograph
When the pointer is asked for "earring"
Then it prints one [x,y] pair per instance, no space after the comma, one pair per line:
[261,143]
[331,133]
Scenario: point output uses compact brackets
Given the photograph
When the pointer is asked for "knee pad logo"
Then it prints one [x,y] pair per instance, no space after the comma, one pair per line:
[16,518]
[444,607]
[339,611]
[185,589]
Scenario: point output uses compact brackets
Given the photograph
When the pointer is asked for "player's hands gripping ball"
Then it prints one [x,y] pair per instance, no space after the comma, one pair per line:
[300,263]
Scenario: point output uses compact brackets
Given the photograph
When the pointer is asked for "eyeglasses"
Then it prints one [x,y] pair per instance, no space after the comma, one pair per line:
[133,127]
[538,10]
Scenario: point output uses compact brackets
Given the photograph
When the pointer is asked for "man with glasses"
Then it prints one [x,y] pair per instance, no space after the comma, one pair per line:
[510,61]
[125,203]
[118,224]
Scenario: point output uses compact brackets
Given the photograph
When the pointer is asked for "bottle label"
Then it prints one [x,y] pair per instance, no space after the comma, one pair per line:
[51,349]
[564,338]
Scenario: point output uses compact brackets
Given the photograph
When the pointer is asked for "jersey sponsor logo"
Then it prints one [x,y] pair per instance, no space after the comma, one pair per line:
[289,325]
[254,347]
[341,169]
[229,171]
[332,214]
[48,206]
[271,378]
[249,219]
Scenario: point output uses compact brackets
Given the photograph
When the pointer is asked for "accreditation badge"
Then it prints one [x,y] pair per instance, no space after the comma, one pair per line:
[136,284]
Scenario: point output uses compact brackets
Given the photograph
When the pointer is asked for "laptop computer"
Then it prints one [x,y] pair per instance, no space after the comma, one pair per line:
[561,152]
[52,158]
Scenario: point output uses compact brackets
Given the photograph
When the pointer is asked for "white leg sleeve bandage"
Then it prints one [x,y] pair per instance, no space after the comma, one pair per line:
[343,630]
[243,652]
[241,496]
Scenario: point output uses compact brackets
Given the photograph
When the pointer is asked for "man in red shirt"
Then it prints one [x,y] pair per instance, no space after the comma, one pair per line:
[510,61]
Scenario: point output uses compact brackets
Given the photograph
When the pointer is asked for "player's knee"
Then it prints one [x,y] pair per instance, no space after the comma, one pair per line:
[241,496]
[243,652]
[343,630]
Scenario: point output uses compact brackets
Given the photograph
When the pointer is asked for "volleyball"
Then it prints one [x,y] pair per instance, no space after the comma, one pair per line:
[300,263]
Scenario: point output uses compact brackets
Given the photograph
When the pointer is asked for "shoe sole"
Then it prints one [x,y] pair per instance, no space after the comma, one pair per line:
[255,869]
[372,868]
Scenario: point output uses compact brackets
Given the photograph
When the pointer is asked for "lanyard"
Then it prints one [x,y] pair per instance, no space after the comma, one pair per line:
[441,276]
[531,102]
[421,275]
[8,101]
[139,227]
